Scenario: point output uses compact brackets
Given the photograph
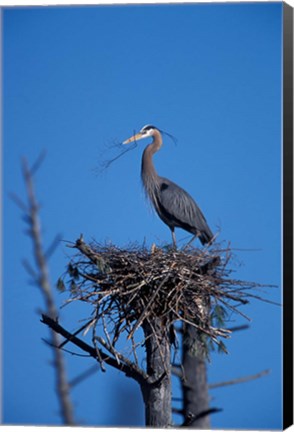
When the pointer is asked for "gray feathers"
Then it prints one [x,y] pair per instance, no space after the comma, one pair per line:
[178,209]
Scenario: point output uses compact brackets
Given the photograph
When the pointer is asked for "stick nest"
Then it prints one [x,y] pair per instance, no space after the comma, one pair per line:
[128,287]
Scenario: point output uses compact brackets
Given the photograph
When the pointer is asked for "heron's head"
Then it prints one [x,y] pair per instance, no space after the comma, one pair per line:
[145,132]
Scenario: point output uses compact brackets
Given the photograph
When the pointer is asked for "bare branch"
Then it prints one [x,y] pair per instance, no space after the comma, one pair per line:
[240,380]
[191,418]
[177,370]
[36,165]
[84,375]
[238,328]
[35,232]
[129,370]
[18,202]
[75,333]
[51,249]
[41,277]
[33,273]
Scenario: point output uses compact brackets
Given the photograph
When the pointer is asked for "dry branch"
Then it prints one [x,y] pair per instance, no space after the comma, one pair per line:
[40,277]
[240,380]
[128,369]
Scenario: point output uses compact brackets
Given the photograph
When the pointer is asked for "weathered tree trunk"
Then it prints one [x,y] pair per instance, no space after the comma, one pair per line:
[157,392]
[194,382]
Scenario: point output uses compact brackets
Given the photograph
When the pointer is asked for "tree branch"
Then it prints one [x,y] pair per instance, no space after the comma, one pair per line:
[130,369]
[191,418]
[41,278]
[84,375]
[240,380]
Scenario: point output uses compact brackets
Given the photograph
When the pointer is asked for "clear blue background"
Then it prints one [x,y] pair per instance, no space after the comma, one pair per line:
[79,79]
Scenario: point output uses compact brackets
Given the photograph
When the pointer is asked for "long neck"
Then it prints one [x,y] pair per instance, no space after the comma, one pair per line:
[148,172]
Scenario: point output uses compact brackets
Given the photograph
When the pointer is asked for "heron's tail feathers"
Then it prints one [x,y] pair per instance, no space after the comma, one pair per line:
[206,236]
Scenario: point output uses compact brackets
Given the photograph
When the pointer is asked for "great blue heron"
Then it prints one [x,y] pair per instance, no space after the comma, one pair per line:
[172,203]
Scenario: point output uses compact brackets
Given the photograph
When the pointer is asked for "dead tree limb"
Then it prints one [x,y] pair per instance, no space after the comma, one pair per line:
[239,380]
[127,368]
[41,279]
[191,419]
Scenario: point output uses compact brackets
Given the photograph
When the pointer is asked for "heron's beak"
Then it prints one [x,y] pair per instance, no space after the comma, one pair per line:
[136,137]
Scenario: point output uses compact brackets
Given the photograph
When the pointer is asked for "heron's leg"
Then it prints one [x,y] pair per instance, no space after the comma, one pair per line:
[174,238]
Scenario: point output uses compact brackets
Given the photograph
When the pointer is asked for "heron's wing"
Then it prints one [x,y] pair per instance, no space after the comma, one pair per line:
[180,209]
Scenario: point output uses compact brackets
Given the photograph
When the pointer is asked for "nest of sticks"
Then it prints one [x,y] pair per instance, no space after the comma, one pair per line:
[128,287]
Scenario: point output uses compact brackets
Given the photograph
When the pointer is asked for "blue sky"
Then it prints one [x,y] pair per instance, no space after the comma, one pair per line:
[77,80]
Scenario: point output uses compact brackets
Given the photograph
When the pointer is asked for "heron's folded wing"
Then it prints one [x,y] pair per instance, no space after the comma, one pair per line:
[180,206]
